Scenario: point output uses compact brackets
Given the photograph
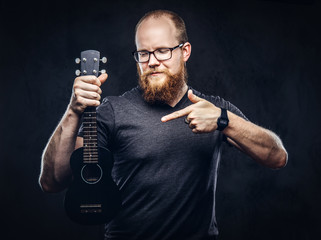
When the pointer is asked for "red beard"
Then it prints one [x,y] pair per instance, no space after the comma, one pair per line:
[165,92]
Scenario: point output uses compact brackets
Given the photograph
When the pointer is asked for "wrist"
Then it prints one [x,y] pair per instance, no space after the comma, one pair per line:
[74,111]
[223,120]
[72,117]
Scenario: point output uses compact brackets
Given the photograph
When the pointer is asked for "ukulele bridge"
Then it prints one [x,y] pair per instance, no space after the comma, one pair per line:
[90,208]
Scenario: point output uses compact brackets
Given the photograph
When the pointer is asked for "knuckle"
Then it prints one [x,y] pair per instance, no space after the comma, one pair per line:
[77,79]
[97,89]
[95,81]
[77,91]
[96,96]
[76,85]
[80,102]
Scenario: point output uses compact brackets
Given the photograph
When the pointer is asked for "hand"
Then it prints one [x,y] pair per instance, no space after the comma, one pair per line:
[86,92]
[201,115]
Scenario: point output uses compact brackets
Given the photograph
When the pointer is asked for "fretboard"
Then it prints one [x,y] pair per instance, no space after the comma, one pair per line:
[90,154]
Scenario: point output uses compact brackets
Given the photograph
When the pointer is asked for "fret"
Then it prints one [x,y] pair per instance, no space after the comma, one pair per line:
[90,117]
[90,158]
[91,154]
[90,133]
[90,145]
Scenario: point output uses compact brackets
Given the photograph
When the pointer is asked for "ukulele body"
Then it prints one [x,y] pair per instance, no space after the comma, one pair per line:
[93,197]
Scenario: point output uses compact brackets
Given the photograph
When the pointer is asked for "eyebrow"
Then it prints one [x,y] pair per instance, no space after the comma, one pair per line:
[151,51]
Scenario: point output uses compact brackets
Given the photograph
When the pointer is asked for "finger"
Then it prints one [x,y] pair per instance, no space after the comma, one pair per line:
[177,114]
[194,130]
[89,95]
[186,120]
[192,125]
[85,102]
[87,87]
[89,79]
[193,98]
[103,77]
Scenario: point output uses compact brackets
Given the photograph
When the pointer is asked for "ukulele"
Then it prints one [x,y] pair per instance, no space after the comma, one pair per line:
[93,197]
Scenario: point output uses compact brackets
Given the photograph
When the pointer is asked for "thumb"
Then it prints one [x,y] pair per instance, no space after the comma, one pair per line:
[103,77]
[193,98]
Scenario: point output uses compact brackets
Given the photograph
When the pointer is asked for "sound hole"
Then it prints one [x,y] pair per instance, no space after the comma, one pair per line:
[91,173]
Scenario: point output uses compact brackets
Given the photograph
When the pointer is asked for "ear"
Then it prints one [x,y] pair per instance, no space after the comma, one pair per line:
[187,50]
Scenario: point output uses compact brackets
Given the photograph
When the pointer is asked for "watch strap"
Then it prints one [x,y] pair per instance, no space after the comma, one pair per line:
[223,120]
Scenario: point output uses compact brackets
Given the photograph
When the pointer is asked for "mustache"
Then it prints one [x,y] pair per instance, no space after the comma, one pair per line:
[151,71]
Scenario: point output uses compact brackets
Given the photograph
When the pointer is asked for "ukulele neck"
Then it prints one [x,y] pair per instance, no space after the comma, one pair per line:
[90,136]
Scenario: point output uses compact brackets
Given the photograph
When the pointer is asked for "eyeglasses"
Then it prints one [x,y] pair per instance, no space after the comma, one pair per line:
[161,54]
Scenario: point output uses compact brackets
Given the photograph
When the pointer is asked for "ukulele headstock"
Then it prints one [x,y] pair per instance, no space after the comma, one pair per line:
[89,63]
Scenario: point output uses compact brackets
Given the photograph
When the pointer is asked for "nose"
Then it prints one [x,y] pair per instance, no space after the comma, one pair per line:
[153,62]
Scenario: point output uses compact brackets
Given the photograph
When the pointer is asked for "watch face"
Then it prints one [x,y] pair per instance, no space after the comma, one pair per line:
[223,121]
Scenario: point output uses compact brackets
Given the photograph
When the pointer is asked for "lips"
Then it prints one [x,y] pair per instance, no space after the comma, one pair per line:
[155,73]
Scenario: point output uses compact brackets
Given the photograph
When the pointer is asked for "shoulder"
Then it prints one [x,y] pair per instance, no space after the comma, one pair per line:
[216,100]
[220,102]
[126,96]
[121,102]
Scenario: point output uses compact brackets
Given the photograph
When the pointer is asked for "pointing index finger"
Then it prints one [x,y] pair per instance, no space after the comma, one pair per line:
[177,114]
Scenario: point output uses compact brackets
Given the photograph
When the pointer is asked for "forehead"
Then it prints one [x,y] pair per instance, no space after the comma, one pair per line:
[154,33]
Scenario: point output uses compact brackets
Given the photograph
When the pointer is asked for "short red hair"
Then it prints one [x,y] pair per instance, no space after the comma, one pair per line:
[177,20]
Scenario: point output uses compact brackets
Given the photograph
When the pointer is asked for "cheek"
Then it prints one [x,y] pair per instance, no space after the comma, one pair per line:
[173,67]
[143,67]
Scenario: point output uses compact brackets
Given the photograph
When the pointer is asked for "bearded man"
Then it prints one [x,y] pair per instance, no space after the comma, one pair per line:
[165,171]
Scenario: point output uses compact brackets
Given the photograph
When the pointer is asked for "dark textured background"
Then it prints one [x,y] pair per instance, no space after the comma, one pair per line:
[263,56]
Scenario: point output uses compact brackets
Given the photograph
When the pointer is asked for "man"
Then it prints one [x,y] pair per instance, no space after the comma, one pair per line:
[166,139]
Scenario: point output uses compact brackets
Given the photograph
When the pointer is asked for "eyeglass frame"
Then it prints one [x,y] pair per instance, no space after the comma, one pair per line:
[149,53]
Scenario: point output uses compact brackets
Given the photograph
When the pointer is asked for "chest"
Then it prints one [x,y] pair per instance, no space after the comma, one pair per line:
[141,135]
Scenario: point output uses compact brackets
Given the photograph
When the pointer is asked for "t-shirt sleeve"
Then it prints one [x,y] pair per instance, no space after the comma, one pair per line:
[105,124]
[220,102]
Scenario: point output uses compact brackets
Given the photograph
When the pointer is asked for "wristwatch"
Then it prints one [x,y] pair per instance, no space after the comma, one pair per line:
[222,121]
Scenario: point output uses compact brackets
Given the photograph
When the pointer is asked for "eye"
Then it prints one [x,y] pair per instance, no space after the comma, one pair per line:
[143,54]
[163,50]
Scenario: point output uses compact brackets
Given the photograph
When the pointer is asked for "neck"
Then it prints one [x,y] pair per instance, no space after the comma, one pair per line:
[180,95]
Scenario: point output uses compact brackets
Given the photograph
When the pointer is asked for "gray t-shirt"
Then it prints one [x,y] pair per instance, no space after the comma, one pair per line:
[165,172]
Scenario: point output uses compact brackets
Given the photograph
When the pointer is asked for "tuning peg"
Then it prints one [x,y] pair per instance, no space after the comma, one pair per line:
[78,72]
[103,60]
[102,71]
[77,60]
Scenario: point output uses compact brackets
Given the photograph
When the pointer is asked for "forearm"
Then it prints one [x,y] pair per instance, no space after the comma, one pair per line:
[55,169]
[261,144]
